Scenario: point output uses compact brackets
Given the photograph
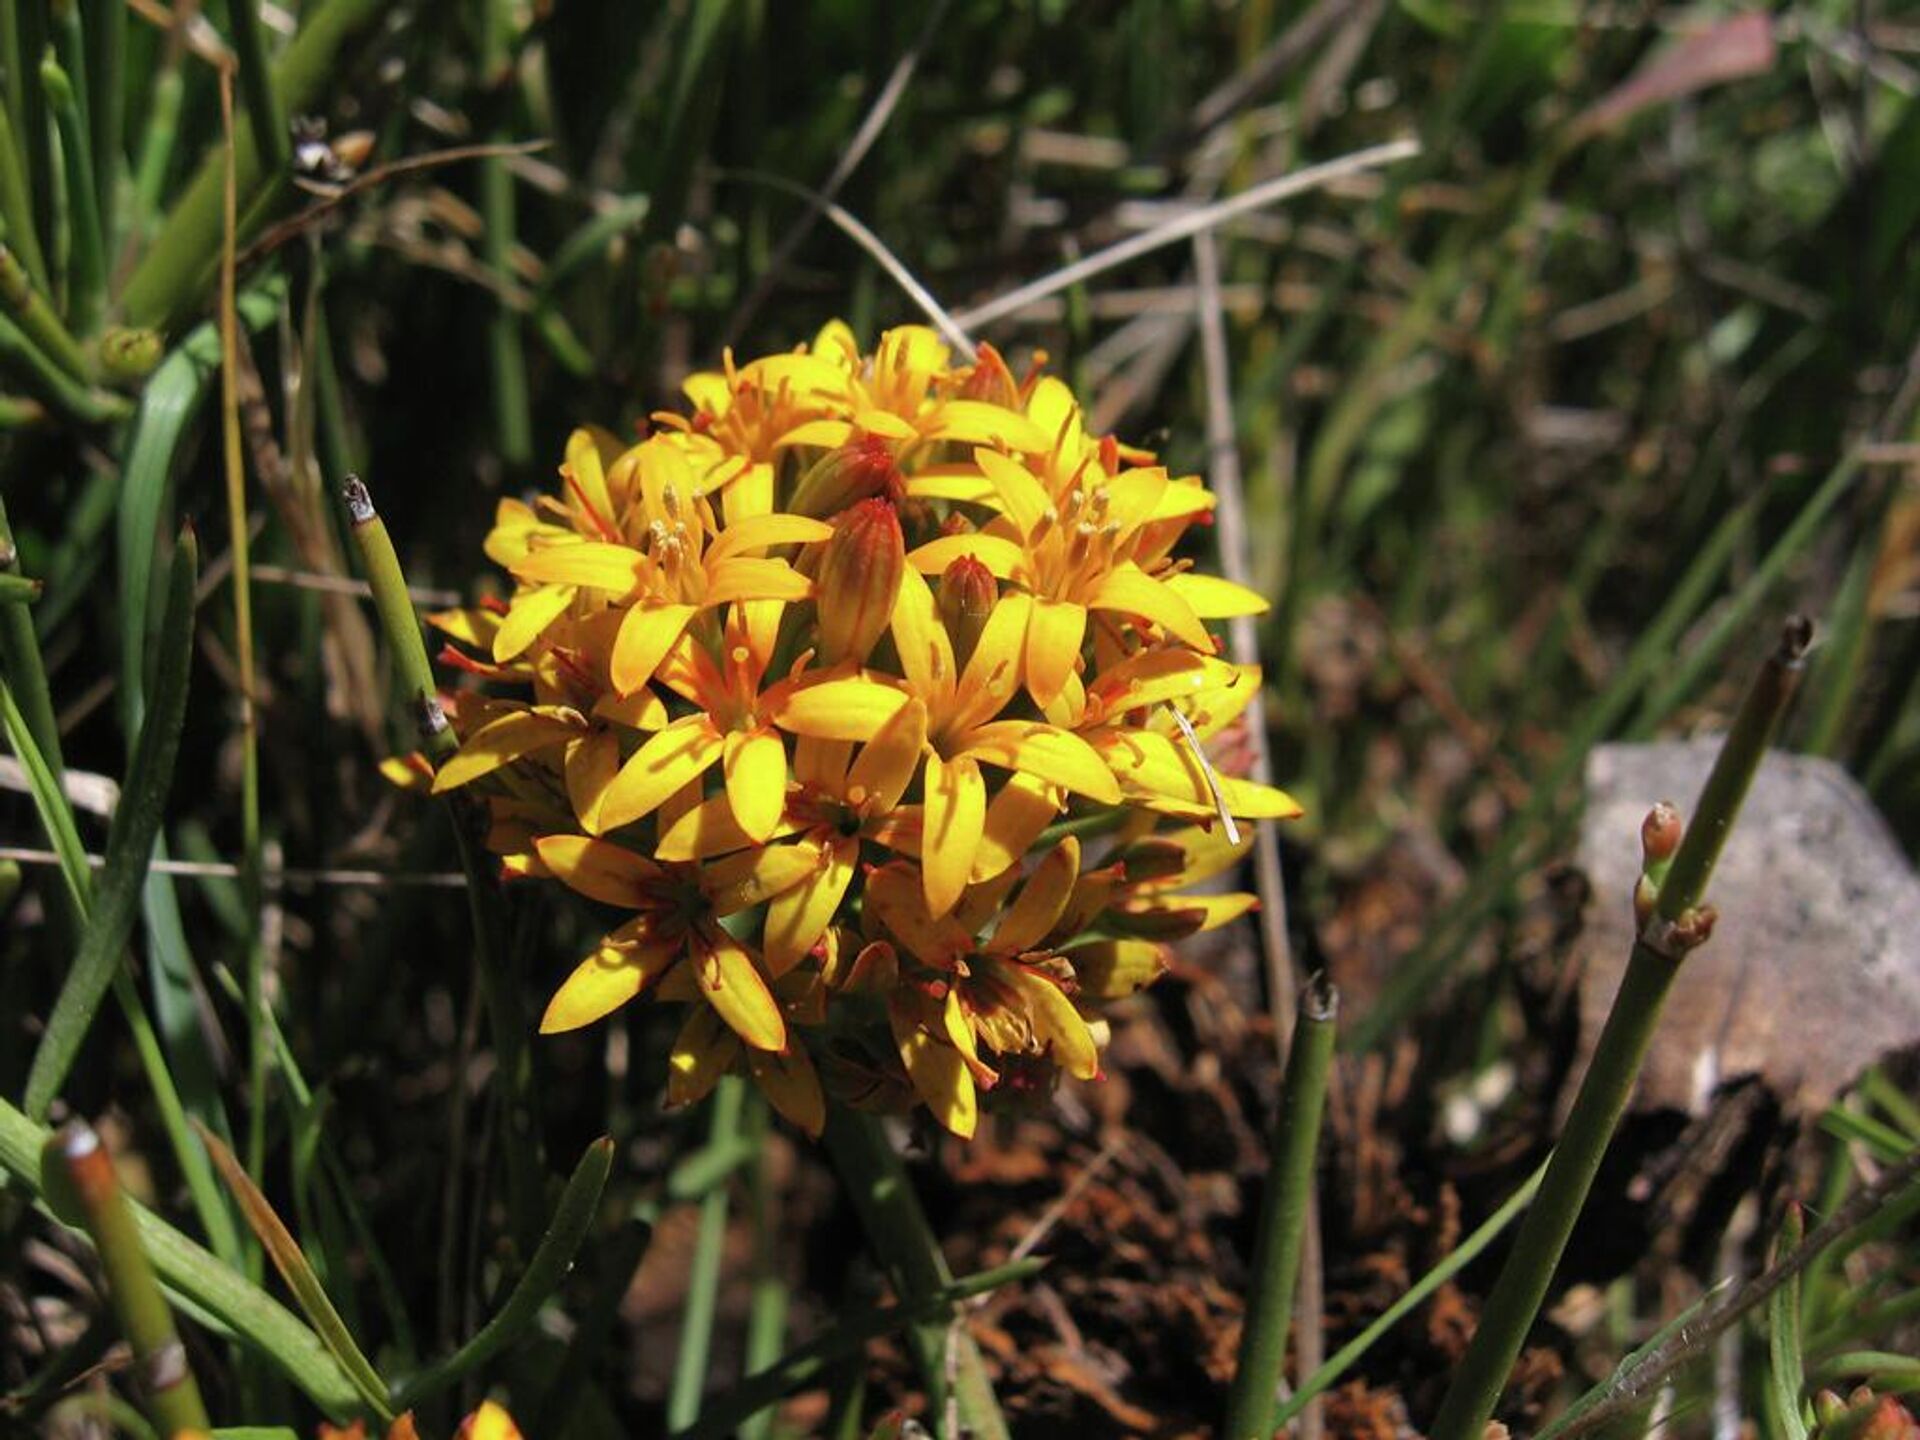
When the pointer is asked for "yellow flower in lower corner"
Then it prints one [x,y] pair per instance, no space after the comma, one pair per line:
[675,945]
[967,999]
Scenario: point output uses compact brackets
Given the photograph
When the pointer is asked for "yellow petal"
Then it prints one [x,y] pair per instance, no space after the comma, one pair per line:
[838,709]
[760,531]
[993,675]
[750,876]
[592,762]
[1016,815]
[791,1086]
[827,434]
[1054,632]
[747,578]
[733,985]
[1212,598]
[1003,557]
[1055,1022]
[897,898]
[642,710]
[979,422]
[1115,969]
[599,869]
[1130,590]
[1023,497]
[926,654]
[955,813]
[1057,756]
[755,763]
[707,830]
[939,1075]
[887,763]
[501,742]
[603,982]
[528,616]
[670,759]
[797,917]
[1026,923]
[1166,775]
[702,1052]
[590,564]
[647,632]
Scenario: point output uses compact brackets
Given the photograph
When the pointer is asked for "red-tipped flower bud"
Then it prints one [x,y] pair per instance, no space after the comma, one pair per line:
[1660,834]
[861,469]
[967,597]
[861,564]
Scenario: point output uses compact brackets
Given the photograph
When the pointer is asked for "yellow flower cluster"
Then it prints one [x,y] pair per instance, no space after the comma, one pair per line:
[828,681]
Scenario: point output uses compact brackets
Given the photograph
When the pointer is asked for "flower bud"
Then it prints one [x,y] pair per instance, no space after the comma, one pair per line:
[861,564]
[858,470]
[1660,835]
[967,597]
[989,379]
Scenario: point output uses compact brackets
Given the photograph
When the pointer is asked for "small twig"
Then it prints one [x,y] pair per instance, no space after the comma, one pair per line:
[295,225]
[1280,188]
[955,332]
[290,877]
[871,126]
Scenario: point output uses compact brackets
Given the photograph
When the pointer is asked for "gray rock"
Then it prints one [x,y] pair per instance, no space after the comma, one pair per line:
[1813,972]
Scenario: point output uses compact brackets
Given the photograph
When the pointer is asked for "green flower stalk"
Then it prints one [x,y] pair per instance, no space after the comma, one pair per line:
[1680,922]
[1283,1215]
[161,1373]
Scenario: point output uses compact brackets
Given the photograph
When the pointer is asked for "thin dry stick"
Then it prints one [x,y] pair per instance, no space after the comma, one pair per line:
[1185,227]
[876,248]
[270,879]
[1230,530]
[871,126]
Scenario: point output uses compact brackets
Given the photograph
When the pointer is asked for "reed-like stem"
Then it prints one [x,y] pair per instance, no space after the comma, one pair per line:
[525,1155]
[16,208]
[1678,924]
[87,277]
[703,1281]
[256,86]
[511,411]
[1283,1215]
[35,316]
[26,671]
[161,1374]
[904,1243]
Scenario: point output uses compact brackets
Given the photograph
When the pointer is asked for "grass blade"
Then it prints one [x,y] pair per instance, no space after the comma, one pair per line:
[1786,1372]
[571,1219]
[202,1283]
[130,844]
[703,1281]
[808,1364]
[294,1268]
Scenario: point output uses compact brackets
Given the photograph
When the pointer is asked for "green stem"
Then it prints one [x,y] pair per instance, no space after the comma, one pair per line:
[35,316]
[1678,925]
[767,1310]
[509,363]
[904,1243]
[156,144]
[1283,1215]
[162,1376]
[703,1280]
[87,286]
[525,1157]
[16,206]
[256,84]
[179,266]
[208,1287]
[26,672]
[39,373]
[106,23]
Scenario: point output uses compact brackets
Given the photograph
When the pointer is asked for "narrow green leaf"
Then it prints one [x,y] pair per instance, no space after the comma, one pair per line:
[571,1219]
[1786,1374]
[135,826]
[208,1289]
[725,1413]
[56,816]
[294,1268]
